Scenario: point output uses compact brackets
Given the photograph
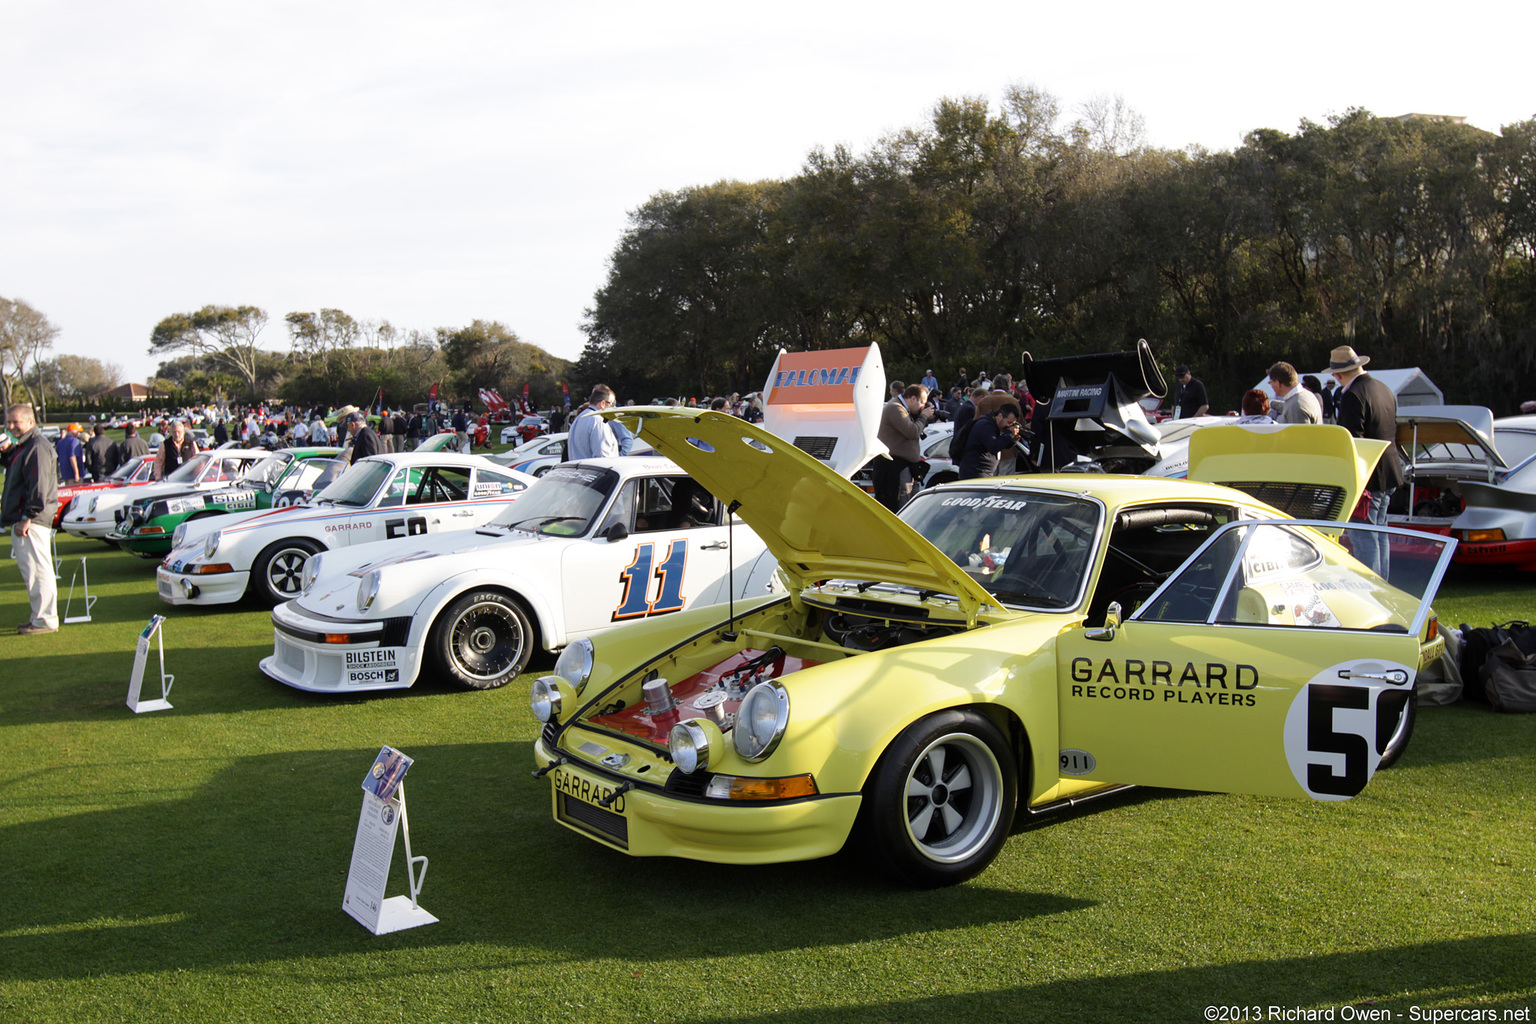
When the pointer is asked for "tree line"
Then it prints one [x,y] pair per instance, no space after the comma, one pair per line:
[987,232]
[334,356]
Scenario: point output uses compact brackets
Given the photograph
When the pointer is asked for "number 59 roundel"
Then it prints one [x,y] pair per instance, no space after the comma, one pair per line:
[1338,730]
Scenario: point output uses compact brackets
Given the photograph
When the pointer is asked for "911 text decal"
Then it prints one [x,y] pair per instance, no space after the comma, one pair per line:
[636,578]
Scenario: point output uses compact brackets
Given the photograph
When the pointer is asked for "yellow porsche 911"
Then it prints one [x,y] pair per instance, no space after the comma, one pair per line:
[1004,644]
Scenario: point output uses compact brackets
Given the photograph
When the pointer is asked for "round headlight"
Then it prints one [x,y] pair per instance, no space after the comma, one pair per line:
[695,745]
[311,573]
[760,720]
[211,544]
[367,589]
[179,535]
[93,504]
[575,663]
[547,697]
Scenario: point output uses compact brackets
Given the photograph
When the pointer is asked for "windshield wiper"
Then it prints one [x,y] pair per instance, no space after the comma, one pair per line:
[543,522]
[1024,597]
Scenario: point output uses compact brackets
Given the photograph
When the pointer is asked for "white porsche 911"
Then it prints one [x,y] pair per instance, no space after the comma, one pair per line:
[591,545]
[383,497]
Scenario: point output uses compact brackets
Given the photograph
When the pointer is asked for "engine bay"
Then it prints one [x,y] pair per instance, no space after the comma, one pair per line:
[828,632]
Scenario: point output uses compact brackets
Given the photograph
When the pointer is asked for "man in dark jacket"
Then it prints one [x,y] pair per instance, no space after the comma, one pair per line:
[386,432]
[27,504]
[98,453]
[131,446]
[1368,408]
[989,435]
[364,441]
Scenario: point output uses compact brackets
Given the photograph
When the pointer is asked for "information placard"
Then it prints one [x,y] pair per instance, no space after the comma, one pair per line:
[383,817]
[140,657]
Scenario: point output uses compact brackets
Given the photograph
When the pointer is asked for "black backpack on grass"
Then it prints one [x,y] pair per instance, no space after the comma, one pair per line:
[1477,644]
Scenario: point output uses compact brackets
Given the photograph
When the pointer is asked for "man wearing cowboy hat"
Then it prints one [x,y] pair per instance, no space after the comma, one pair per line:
[1367,408]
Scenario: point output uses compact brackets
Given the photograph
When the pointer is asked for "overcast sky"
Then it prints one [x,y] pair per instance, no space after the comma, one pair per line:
[431,164]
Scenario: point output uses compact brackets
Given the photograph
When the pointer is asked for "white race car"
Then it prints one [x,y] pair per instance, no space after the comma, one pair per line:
[98,514]
[382,497]
[534,457]
[593,544]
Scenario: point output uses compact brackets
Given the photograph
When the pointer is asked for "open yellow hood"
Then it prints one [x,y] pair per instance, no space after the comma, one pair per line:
[819,525]
[1306,470]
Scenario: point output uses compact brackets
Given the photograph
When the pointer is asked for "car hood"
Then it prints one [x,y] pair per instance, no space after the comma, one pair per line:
[1306,470]
[819,525]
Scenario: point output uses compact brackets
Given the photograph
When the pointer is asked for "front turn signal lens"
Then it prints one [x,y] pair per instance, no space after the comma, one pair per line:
[1482,536]
[730,787]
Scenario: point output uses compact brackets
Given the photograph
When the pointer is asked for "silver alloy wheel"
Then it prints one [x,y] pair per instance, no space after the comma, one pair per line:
[485,640]
[285,571]
[953,797]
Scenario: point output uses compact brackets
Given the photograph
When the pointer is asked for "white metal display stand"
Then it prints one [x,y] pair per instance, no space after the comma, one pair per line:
[140,656]
[372,852]
[86,586]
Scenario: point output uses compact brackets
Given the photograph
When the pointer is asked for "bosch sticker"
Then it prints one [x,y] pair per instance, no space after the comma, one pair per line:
[380,665]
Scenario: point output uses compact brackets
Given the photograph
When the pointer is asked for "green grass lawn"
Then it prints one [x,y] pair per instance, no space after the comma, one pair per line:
[188,865]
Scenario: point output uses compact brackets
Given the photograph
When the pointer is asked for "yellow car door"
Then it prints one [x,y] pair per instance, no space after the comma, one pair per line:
[1272,662]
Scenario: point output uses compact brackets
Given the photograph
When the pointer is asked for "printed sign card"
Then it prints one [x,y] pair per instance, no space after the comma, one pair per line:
[383,817]
[140,657]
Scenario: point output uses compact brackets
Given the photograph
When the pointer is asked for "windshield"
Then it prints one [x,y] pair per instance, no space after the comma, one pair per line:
[188,471]
[311,474]
[357,486]
[564,502]
[1027,548]
[125,471]
[266,472]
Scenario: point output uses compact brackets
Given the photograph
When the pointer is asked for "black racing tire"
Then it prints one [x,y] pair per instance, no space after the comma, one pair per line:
[1396,741]
[482,640]
[940,803]
[277,575]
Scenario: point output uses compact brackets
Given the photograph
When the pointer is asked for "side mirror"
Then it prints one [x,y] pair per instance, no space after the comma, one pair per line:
[1111,624]
[616,532]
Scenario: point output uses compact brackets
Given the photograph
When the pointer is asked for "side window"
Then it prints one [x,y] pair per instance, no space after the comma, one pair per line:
[623,508]
[1145,545]
[494,485]
[653,507]
[440,484]
[1287,576]
[400,485]
[1192,594]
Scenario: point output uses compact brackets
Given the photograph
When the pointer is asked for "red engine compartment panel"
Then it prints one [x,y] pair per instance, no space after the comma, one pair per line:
[725,678]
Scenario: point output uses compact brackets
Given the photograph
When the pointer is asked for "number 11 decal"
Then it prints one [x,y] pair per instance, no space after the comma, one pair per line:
[636,602]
